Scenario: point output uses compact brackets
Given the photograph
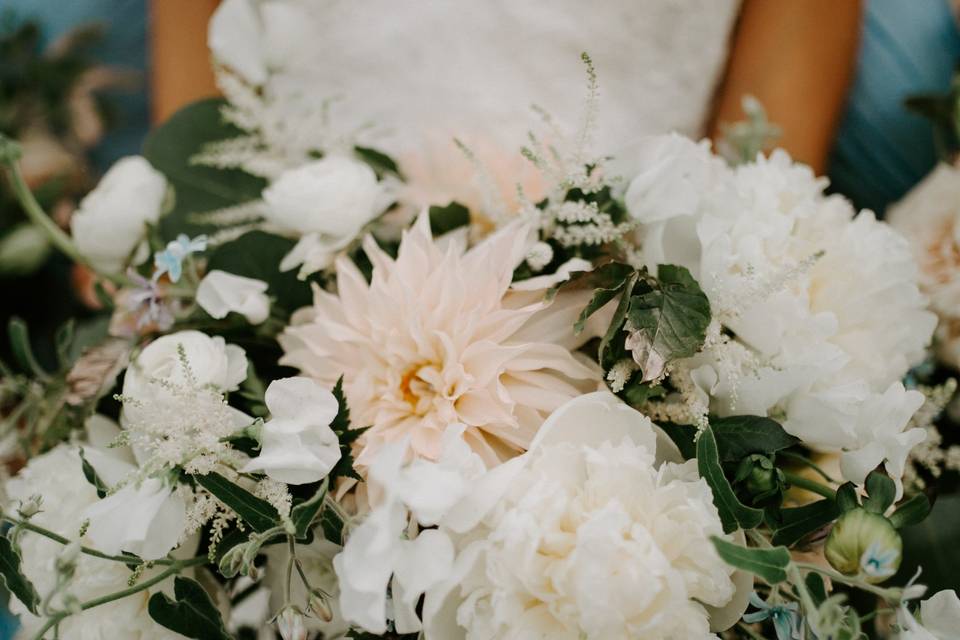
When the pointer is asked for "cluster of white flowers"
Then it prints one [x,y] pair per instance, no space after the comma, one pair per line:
[824,305]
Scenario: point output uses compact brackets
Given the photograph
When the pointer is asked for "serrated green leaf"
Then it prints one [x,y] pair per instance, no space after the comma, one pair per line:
[672,318]
[881,492]
[733,513]
[306,512]
[345,434]
[741,436]
[911,512]
[446,219]
[332,526]
[769,564]
[608,281]
[91,475]
[256,512]
[191,614]
[797,522]
[616,322]
[13,579]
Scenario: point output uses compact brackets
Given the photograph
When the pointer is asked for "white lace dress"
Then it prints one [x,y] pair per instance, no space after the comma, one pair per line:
[424,71]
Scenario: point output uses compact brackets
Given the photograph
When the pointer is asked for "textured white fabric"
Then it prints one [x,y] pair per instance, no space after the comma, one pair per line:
[427,70]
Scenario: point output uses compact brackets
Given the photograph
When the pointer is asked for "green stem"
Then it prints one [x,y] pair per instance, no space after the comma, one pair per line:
[29,526]
[173,569]
[893,595]
[810,485]
[292,550]
[57,237]
[808,462]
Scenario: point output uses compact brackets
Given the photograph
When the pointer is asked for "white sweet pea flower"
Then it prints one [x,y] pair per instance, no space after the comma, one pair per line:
[939,618]
[220,293]
[111,221]
[326,203]
[297,444]
[146,519]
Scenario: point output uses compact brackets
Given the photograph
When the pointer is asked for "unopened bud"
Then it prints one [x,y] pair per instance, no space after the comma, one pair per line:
[67,560]
[865,544]
[320,605]
[232,562]
[291,625]
[31,506]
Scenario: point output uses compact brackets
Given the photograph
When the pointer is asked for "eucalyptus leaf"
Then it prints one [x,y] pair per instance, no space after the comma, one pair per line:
[671,319]
[13,579]
[769,564]
[256,512]
[733,513]
[191,614]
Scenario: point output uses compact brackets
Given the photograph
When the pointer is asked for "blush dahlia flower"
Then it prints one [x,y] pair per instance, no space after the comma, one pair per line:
[438,337]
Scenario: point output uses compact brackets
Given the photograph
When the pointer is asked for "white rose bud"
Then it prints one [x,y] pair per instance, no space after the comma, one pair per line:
[326,203]
[291,625]
[111,220]
[146,520]
[220,293]
[297,444]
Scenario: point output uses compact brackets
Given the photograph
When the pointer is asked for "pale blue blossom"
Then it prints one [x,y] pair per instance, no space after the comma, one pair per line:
[170,260]
[785,617]
[877,562]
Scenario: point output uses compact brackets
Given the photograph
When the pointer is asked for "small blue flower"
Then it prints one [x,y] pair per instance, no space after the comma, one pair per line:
[879,563]
[785,617]
[170,260]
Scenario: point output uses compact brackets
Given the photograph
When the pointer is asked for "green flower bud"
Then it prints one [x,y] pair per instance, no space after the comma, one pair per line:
[320,606]
[864,544]
[758,479]
[232,562]
[30,507]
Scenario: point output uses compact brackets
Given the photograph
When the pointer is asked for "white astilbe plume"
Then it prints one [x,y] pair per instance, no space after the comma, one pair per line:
[930,456]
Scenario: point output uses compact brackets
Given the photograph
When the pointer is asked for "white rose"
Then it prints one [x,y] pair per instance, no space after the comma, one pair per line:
[111,220]
[147,520]
[220,293]
[326,203]
[297,444]
[206,361]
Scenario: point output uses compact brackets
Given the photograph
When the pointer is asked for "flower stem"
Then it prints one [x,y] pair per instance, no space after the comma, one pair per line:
[893,595]
[29,526]
[810,485]
[808,462]
[176,567]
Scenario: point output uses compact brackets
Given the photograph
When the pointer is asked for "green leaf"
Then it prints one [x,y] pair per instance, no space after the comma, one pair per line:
[847,497]
[198,188]
[62,340]
[332,526]
[741,436]
[818,590]
[881,492]
[933,545]
[733,513]
[22,351]
[608,280]
[911,512]
[380,162]
[798,522]
[769,564]
[13,579]
[306,512]
[672,319]
[191,614]
[446,219]
[682,436]
[346,434]
[257,254]
[256,512]
[91,475]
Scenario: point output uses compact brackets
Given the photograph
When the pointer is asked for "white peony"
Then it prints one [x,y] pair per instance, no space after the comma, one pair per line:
[438,338]
[220,292]
[824,305]
[929,216]
[939,618]
[325,203]
[596,537]
[297,444]
[58,477]
[111,221]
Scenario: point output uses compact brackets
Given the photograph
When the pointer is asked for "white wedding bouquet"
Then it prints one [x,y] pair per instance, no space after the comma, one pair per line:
[321,410]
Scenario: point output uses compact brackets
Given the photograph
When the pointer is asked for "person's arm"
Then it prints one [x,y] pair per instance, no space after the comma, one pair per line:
[797,58]
[180,67]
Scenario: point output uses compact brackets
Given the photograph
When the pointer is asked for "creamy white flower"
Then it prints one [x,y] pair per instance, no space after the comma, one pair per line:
[929,216]
[326,203]
[594,536]
[58,477]
[824,305]
[437,338]
[111,221]
[220,292]
[939,618]
[297,445]
[235,37]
